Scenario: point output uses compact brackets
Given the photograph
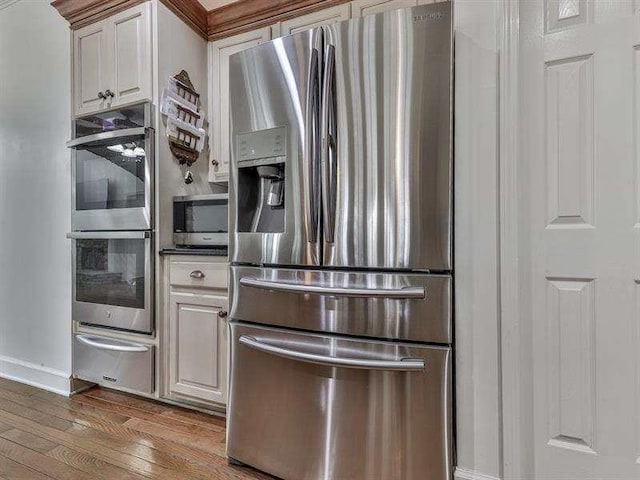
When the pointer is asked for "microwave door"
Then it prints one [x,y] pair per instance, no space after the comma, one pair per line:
[386,130]
[274,187]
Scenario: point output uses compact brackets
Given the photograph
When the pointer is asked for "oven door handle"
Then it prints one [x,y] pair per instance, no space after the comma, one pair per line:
[103,344]
[108,235]
[405,364]
[99,137]
[393,293]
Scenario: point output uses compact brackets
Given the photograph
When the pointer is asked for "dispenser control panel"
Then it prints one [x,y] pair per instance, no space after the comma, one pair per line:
[262,144]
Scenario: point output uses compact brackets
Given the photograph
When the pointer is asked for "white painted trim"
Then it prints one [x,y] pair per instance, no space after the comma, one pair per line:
[513,451]
[37,376]
[464,474]
[7,3]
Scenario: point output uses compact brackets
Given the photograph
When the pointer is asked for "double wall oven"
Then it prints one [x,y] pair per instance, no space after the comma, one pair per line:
[112,245]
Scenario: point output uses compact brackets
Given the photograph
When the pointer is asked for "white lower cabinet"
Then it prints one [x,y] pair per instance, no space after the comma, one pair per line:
[198,347]
[195,330]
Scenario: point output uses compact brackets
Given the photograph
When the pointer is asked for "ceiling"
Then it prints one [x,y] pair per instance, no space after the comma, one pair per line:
[212,4]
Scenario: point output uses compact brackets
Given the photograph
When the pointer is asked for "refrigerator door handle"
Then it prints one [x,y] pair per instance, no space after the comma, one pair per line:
[405,364]
[395,293]
[329,139]
[311,151]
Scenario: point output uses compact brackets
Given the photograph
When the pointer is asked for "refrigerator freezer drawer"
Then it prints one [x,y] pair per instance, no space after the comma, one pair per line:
[308,406]
[114,363]
[400,306]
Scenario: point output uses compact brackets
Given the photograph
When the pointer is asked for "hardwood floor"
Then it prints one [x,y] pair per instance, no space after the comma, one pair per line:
[106,435]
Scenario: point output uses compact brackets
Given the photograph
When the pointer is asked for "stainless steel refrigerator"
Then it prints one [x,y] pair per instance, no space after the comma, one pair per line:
[341,250]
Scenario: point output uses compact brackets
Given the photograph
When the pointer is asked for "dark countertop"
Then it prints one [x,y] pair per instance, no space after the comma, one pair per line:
[211,252]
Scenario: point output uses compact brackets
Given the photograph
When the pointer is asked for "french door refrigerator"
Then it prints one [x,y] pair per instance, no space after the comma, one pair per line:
[341,250]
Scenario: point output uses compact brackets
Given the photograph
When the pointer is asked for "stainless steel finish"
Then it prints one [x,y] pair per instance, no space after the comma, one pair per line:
[310,147]
[339,423]
[423,318]
[329,140]
[197,274]
[114,363]
[201,239]
[125,318]
[269,88]
[100,137]
[107,235]
[404,364]
[108,344]
[393,78]
[397,293]
[195,198]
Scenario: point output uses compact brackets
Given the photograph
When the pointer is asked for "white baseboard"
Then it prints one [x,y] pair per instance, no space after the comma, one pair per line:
[45,378]
[464,474]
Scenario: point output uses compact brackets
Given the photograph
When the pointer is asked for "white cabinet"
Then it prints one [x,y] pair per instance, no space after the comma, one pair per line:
[112,61]
[194,344]
[315,19]
[219,53]
[198,347]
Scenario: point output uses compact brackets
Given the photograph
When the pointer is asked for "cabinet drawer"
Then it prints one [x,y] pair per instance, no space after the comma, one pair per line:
[198,274]
[114,363]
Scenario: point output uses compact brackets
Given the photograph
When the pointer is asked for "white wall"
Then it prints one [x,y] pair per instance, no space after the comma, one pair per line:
[476,241]
[35,264]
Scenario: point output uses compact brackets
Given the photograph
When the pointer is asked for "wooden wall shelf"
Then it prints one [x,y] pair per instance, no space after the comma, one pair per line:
[231,19]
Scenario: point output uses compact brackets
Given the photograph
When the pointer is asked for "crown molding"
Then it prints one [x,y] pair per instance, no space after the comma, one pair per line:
[80,13]
[244,15]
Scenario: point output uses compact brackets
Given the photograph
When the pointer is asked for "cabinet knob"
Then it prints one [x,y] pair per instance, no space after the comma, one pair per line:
[102,95]
[197,274]
[109,93]
[222,314]
[214,162]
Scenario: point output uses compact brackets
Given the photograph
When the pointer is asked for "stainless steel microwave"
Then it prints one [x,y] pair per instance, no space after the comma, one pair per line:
[201,220]
[112,170]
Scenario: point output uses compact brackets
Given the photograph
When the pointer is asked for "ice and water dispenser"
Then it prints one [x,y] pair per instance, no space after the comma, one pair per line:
[261,180]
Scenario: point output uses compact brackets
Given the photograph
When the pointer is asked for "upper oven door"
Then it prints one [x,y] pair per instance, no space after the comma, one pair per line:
[112,171]
[113,280]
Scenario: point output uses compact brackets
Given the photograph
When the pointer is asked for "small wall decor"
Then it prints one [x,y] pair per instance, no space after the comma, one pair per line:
[185,120]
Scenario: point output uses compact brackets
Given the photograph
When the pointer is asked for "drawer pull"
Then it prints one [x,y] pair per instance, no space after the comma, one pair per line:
[197,274]
[222,314]
[116,346]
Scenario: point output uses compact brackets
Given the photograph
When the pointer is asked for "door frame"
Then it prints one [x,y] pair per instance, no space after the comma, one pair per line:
[516,406]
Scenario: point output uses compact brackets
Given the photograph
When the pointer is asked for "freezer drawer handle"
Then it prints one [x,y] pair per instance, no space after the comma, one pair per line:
[406,364]
[105,345]
[396,293]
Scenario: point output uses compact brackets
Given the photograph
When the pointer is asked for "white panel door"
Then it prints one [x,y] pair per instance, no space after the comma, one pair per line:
[360,8]
[315,19]
[219,73]
[131,79]
[90,67]
[581,211]
[198,350]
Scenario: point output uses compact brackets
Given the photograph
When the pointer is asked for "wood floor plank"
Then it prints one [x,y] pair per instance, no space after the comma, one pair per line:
[108,435]
[10,470]
[29,440]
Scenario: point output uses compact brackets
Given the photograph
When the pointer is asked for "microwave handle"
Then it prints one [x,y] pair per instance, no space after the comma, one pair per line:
[108,235]
[98,137]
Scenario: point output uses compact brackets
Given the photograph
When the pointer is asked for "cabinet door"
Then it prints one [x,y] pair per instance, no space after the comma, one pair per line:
[360,8]
[90,67]
[198,350]
[219,95]
[315,19]
[130,56]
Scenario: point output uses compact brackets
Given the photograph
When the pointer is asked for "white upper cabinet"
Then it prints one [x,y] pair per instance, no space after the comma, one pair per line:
[112,61]
[220,51]
[315,19]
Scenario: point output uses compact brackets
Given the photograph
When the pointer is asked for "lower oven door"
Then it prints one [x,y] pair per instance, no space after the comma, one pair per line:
[307,406]
[114,363]
[113,280]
